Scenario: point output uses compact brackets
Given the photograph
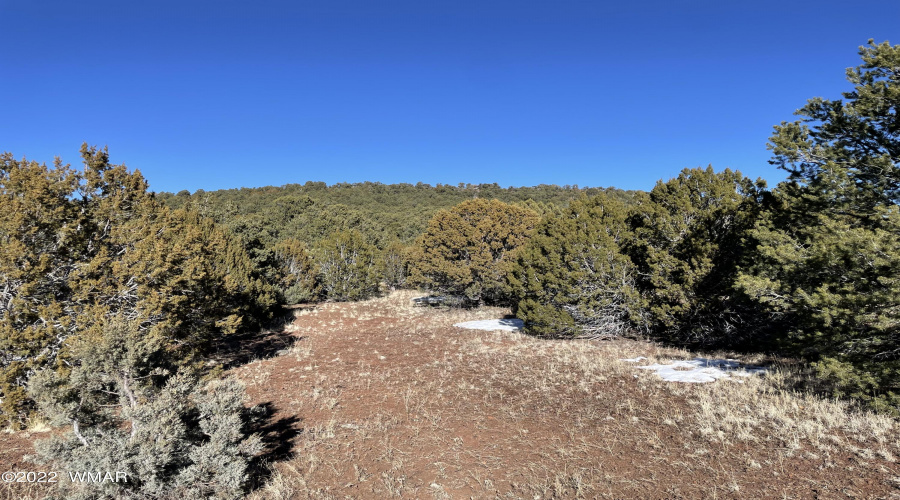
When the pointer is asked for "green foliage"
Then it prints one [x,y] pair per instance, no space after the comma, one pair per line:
[832,283]
[395,264]
[572,279]
[687,246]
[828,267]
[865,384]
[348,267]
[842,156]
[384,214]
[468,249]
[300,281]
[39,238]
[78,249]
[668,263]
[545,209]
[171,435]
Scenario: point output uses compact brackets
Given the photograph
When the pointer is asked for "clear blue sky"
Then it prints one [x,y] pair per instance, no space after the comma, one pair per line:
[222,94]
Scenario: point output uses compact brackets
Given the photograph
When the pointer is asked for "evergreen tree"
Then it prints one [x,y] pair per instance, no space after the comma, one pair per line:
[299,282]
[395,263]
[40,243]
[82,248]
[687,246]
[842,156]
[468,249]
[348,267]
[170,435]
[571,278]
[186,278]
[828,266]
[311,211]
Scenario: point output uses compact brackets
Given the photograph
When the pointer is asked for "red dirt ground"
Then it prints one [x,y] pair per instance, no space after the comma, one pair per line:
[396,402]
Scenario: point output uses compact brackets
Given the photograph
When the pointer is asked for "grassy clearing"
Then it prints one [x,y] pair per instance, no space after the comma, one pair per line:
[398,403]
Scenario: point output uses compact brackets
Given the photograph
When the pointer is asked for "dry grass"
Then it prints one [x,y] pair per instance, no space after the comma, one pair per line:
[23,491]
[399,404]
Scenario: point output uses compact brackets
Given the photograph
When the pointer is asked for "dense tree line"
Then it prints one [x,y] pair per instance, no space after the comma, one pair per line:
[382,212]
[386,211]
[388,217]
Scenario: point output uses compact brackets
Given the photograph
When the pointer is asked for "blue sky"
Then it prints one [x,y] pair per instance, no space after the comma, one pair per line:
[223,94]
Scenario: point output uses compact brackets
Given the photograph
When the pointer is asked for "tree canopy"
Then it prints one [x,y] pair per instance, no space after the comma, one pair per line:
[687,246]
[572,279]
[468,249]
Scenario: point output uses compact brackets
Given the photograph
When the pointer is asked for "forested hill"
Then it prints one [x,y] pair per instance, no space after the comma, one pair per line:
[384,212]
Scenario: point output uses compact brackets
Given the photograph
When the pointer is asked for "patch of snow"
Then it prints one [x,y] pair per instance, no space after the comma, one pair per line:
[634,360]
[510,325]
[702,370]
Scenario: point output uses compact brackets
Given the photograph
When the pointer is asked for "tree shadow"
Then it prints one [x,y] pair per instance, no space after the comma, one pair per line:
[239,349]
[277,436]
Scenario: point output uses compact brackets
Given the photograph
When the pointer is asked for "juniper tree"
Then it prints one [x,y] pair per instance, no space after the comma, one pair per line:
[170,434]
[687,246]
[299,279]
[187,278]
[468,249]
[80,248]
[395,264]
[348,267]
[40,242]
[572,278]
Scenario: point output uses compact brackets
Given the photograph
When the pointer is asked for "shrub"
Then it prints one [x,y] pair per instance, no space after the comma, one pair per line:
[348,267]
[79,248]
[171,435]
[299,282]
[572,279]
[688,245]
[395,262]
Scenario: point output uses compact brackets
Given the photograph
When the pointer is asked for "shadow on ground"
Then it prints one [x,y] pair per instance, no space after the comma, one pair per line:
[239,349]
[277,438]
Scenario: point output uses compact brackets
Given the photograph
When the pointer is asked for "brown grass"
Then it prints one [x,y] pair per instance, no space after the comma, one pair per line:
[397,403]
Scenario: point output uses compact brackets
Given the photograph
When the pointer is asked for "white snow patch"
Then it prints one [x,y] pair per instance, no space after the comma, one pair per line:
[510,325]
[634,360]
[701,370]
